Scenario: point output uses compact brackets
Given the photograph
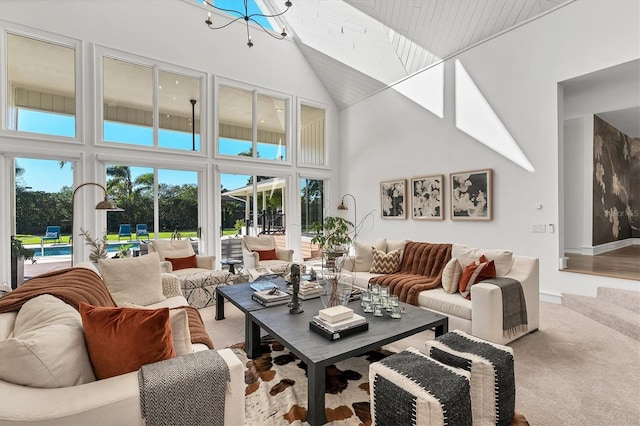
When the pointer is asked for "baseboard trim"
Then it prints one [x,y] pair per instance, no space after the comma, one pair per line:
[546,296]
[604,248]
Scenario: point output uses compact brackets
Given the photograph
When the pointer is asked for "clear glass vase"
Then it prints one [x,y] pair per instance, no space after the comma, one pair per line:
[333,292]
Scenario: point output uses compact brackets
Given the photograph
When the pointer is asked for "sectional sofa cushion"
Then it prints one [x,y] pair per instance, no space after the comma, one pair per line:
[180,331]
[465,254]
[364,254]
[172,248]
[135,280]
[121,340]
[47,349]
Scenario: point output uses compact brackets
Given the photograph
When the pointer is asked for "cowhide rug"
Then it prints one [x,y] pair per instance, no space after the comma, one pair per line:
[276,392]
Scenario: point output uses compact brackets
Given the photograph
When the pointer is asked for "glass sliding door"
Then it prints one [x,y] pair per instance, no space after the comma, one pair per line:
[311,212]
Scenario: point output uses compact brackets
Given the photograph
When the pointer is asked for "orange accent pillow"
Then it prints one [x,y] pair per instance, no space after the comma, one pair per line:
[267,254]
[479,270]
[121,340]
[182,262]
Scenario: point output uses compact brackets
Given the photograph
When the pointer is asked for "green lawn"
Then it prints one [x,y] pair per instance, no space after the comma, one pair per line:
[33,239]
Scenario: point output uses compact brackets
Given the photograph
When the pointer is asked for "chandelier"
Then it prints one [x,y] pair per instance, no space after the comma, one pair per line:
[245,15]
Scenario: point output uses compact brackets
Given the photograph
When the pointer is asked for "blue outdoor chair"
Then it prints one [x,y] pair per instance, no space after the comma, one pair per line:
[52,233]
[142,231]
[125,231]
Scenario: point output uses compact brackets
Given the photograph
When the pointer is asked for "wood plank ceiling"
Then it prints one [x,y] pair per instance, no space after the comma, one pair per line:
[358,47]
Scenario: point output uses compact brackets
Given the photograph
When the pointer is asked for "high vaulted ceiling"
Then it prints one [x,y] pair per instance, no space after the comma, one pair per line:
[358,47]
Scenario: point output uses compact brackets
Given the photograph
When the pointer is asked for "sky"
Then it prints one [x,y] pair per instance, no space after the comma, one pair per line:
[48,176]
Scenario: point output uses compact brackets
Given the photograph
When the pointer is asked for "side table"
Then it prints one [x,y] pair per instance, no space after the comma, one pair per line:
[231,263]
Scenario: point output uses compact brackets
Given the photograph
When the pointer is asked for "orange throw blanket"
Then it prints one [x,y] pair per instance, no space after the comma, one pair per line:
[75,285]
[421,269]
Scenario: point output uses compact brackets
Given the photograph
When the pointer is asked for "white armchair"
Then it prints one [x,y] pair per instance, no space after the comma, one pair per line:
[180,249]
[261,251]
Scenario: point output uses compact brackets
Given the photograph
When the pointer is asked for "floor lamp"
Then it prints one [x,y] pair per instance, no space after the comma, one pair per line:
[105,204]
[343,206]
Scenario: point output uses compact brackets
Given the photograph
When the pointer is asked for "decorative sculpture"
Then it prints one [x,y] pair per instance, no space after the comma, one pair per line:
[294,305]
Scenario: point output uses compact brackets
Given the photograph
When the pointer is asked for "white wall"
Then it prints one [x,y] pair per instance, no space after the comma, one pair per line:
[173,32]
[387,136]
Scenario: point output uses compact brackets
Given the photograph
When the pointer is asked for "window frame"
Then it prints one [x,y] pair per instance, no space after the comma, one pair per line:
[255,91]
[307,102]
[5,110]
[156,66]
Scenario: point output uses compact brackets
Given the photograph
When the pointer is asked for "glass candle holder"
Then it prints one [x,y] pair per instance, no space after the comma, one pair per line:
[384,291]
[394,301]
[367,307]
[396,312]
[377,310]
[375,289]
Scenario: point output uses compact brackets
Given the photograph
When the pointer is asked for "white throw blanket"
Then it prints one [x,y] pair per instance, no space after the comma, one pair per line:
[186,390]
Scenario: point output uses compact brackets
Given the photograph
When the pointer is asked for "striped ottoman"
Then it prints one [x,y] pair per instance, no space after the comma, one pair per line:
[409,388]
[493,389]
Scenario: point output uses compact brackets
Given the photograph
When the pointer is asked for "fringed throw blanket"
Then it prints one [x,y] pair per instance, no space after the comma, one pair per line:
[75,285]
[186,390]
[514,306]
[421,269]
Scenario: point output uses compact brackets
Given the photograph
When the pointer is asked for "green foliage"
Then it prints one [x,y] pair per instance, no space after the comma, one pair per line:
[98,246]
[19,250]
[333,235]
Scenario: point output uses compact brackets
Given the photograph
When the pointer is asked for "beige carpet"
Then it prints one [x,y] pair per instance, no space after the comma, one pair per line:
[573,371]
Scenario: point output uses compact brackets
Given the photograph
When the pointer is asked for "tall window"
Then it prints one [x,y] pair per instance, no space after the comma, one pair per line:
[312,147]
[41,84]
[252,124]
[256,201]
[129,90]
[133,189]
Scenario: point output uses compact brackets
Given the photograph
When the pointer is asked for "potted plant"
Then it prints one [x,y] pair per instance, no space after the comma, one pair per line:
[333,237]
[18,255]
[238,226]
[98,246]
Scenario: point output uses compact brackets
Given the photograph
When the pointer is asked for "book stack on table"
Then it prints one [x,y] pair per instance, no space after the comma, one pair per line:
[308,290]
[337,322]
[272,297]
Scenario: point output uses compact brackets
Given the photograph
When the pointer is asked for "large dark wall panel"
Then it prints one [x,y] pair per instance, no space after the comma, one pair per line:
[615,184]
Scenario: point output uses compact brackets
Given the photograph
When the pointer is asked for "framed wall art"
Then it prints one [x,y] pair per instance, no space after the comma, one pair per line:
[471,195]
[426,197]
[393,199]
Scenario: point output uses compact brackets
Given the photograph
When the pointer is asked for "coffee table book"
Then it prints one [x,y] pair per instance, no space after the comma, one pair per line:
[265,298]
[336,335]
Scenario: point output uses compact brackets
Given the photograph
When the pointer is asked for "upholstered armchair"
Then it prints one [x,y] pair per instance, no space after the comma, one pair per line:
[261,251]
[179,258]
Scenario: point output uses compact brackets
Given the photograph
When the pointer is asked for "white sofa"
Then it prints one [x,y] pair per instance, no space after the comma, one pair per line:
[111,401]
[482,315]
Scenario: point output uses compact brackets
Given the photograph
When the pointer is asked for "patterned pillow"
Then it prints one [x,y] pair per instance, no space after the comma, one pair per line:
[475,272]
[385,263]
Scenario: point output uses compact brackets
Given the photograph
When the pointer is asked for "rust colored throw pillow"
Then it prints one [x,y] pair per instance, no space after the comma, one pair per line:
[121,340]
[476,271]
[267,254]
[182,262]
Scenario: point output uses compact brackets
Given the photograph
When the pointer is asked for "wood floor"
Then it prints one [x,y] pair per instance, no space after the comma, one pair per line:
[621,263]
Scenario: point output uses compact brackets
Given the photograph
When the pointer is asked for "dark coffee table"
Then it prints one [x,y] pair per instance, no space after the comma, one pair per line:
[240,296]
[317,352]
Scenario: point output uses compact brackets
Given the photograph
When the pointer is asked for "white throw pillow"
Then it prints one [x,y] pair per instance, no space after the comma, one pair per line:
[364,254]
[48,348]
[173,249]
[503,259]
[259,243]
[180,331]
[134,280]
[451,276]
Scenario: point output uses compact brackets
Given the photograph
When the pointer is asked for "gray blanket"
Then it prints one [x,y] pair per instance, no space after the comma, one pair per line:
[185,390]
[514,307]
